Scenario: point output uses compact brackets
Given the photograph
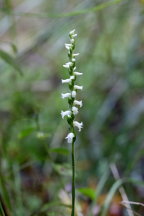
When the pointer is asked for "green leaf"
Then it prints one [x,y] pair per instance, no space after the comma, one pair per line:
[26,132]
[110,195]
[60,151]
[14,48]
[10,60]
[101,184]
[1,210]
[89,192]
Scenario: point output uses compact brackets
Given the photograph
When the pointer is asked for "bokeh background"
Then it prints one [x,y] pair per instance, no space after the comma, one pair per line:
[35,161]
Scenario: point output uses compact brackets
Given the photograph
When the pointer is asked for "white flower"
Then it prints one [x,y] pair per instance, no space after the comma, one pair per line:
[75,110]
[78,73]
[74,35]
[76,87]
[79,103]
[72,77]
[68,46]
[73,94]
[72,32]
[75,54]
[65,113]
[73,59]
[70,137]
[72,40]
[66,81]
[65,95]
[73,103]
[78,125]
[67,65]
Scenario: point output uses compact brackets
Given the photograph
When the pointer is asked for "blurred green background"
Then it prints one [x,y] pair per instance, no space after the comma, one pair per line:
[35,172]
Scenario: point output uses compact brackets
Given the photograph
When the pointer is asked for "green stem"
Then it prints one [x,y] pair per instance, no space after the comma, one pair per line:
[71,87]
[73,179]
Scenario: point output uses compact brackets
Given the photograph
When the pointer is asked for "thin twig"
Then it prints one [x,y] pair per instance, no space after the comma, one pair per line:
[121,189]
[135,213]
[132,203]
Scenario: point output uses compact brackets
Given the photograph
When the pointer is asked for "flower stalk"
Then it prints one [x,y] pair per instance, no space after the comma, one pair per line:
[74,105]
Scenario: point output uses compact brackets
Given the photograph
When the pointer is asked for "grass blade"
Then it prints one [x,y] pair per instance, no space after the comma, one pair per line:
[74,13]
[113,190]
[10,60]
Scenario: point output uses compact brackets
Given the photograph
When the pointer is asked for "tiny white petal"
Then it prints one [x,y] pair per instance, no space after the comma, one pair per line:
[74,35]
[79,103]
[75,110]
[72,77]
[67,65]
[72,32]
[66,81]
[65,95]
[68,46]
[70,137]
[73,59]
[72,40]
[78,73]
[78,87]
[79,125]
[74,68]
[73,94]
[75,54]
[65,113]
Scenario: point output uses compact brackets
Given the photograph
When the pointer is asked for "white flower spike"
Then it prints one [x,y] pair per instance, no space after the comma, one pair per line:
[73,103]
[70,137]
[71,65]
[65,113]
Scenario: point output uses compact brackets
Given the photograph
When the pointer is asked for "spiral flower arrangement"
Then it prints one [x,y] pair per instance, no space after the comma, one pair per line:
[74,104]
[73,88]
